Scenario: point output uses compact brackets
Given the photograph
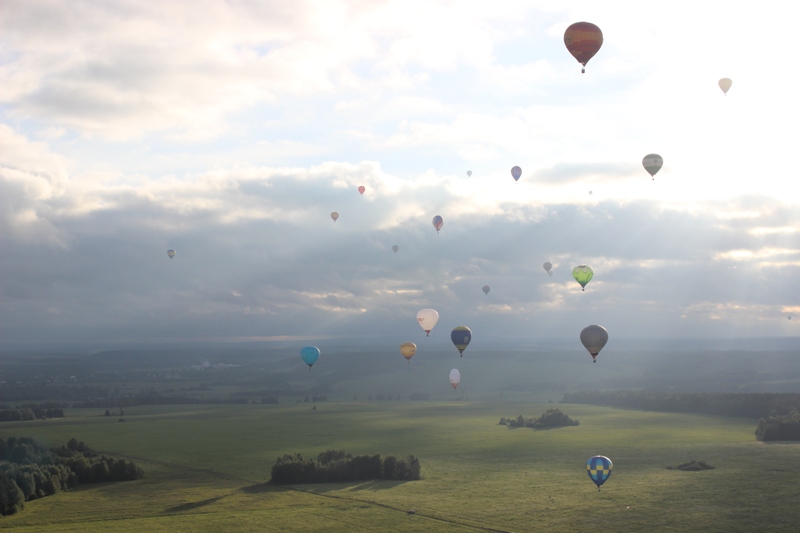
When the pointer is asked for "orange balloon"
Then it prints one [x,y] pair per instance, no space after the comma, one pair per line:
[583,40]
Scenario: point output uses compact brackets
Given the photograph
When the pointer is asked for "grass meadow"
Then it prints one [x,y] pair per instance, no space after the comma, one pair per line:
[206,468]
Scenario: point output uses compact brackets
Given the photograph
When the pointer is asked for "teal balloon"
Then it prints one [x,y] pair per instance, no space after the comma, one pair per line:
[309,355]
[599,469]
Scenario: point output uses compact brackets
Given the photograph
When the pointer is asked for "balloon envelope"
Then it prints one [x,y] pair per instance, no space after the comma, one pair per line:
[652,164]
[547,266]
[427,319]
[438,222]
[599,469]
[395,248]
[725,85]
[361,189]
[309,355]
[516,172]
[334,216]
[582,274]
[583,40]
[486,289]
[407,350]
[461,335]
[469,173]
[455,378]
[171,253]
[594,337]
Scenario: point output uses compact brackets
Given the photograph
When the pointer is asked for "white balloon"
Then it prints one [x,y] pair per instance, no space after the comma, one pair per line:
[427,319]
[455,378]
[725,84]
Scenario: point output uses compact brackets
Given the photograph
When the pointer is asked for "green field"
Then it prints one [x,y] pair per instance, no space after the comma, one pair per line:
[205,468]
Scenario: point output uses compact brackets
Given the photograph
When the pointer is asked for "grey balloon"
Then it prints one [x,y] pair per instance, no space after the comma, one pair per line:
[594,337]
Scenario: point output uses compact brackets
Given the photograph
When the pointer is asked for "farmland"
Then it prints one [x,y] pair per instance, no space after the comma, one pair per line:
[206,468]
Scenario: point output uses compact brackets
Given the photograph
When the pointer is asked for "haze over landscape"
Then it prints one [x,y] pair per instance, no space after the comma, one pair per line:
[230,131]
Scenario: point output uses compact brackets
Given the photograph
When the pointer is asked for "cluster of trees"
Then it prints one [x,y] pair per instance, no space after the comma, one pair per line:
[32,471]
[337,466]
[692,466]
[785,427]
[27,413]
[750,405]
[552,418]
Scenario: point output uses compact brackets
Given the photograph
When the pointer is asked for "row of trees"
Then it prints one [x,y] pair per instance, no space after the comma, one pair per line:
[552,418]
[751,405]
[27,413]
[32,471]
[337,466]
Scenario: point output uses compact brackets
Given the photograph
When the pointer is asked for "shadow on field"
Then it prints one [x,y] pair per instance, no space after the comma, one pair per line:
[193,505]
[260,488]
[373,486]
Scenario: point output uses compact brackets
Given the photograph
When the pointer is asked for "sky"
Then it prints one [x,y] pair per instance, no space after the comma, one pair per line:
[229,131]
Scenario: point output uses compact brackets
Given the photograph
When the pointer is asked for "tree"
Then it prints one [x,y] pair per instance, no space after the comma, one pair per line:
[11,497]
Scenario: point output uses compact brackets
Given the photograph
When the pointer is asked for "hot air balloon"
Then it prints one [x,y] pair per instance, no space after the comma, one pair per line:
[455,378]
[407,350]
[594,337]
[438,222]
[361,189]
[652,164]
[334,216]
[583,40]
[583,275]
[395,248]
[309,355]
[427,319]
[171,253]
[516,172]
[725,85]
[590,193]
[486,289]
[599,469]
[469,173]
[547,266]
[461,335]
[790,317]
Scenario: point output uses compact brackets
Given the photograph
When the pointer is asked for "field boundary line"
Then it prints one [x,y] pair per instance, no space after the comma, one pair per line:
[386,506]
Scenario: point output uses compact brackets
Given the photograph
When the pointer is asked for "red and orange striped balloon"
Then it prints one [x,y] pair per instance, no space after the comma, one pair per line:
[583,40]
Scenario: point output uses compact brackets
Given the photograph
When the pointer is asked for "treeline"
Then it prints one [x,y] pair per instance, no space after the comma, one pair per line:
[552,418]
[785,427]
[750,405]
[334,466]
[36,413]
[158,399]
[32,471]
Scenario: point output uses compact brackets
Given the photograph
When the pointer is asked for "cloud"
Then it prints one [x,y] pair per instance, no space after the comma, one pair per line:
[257,255]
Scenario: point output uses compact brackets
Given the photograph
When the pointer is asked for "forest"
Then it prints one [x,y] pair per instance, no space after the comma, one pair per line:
[32,471]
